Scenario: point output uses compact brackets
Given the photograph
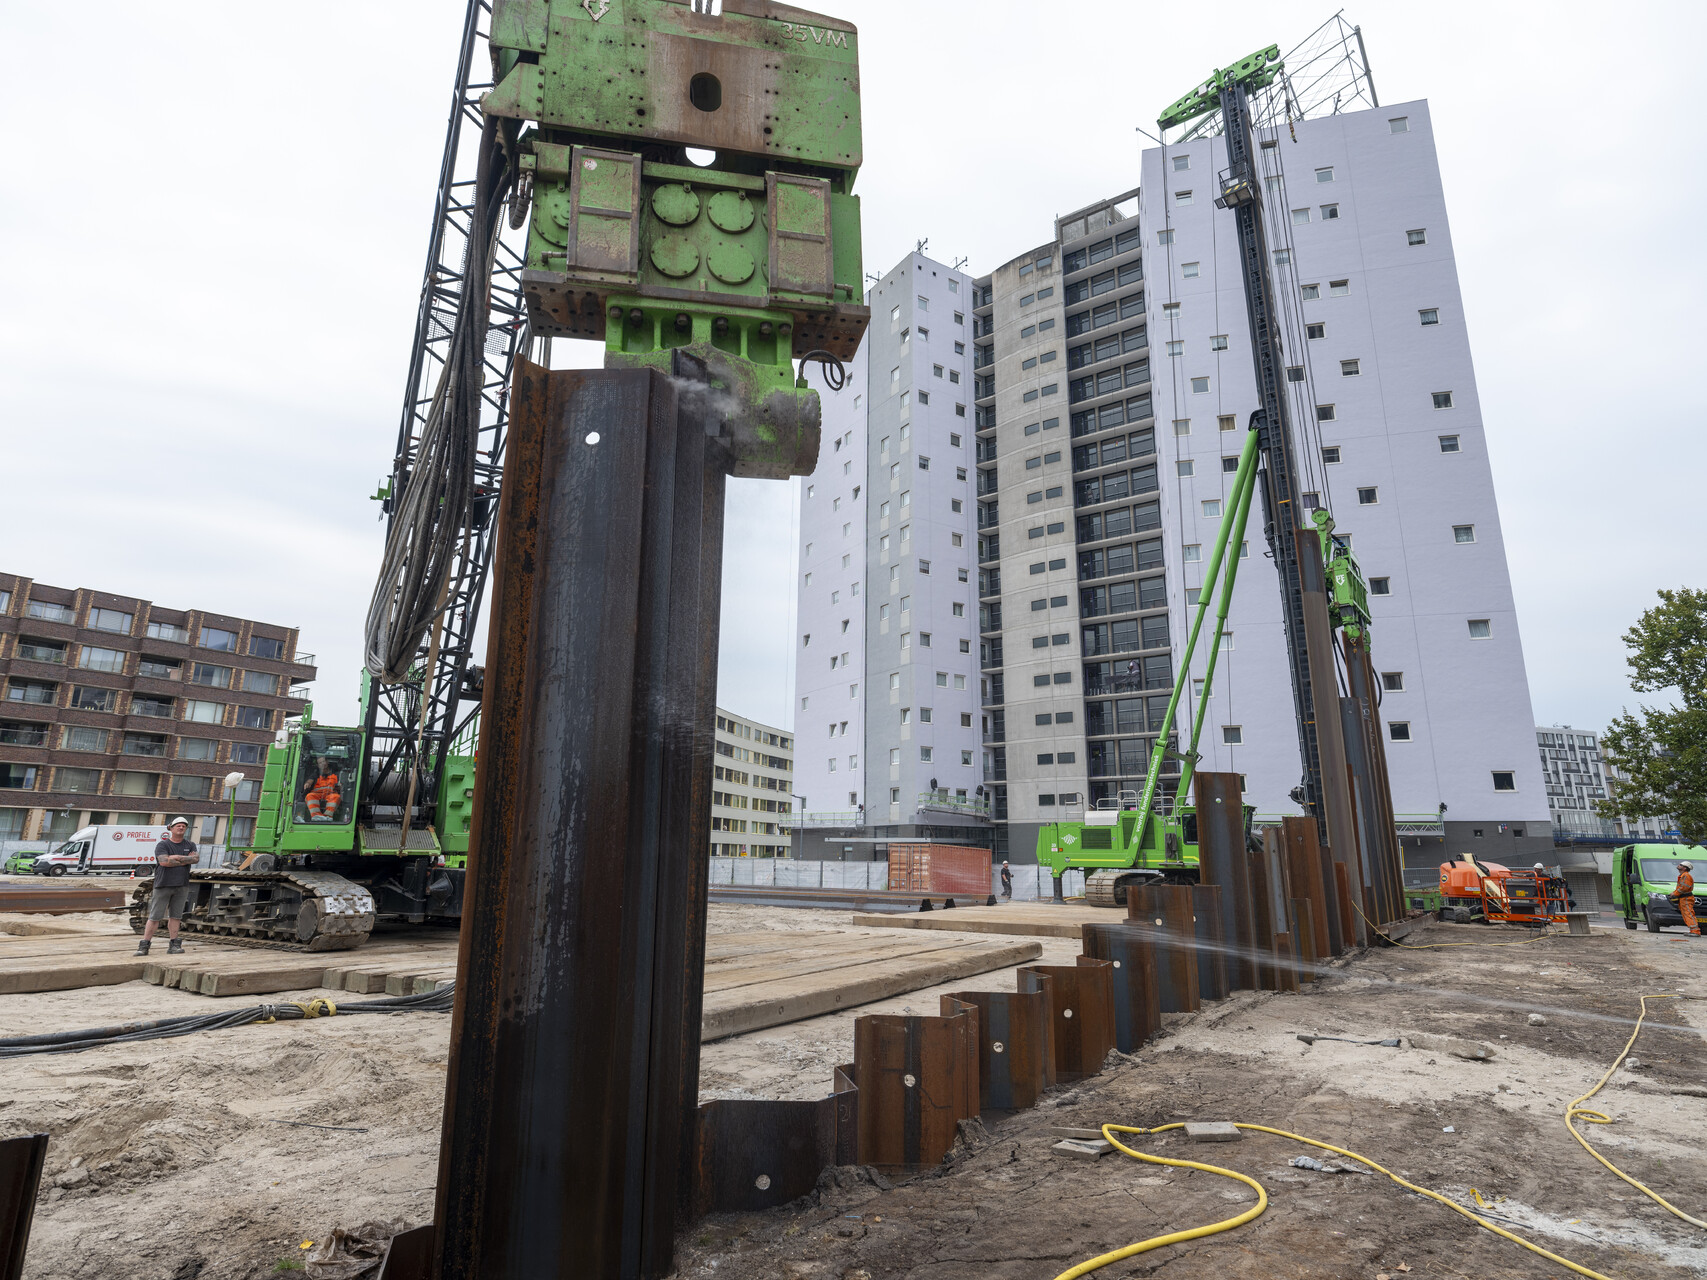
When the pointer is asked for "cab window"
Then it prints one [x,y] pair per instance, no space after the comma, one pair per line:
[1659,870]
[326,776]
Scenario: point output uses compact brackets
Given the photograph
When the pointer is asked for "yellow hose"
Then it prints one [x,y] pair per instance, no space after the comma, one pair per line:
[1576,1109]
[1157,1242]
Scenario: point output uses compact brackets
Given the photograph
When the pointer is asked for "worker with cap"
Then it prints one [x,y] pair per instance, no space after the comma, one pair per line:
[1007,881]
[173,858]
[1684,895]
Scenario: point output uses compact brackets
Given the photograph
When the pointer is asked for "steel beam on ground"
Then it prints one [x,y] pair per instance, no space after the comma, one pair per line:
[1211,947]
[1131,956]
[573,1078]
[1222,861]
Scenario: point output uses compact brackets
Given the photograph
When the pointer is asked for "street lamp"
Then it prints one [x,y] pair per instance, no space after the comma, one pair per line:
[232,780]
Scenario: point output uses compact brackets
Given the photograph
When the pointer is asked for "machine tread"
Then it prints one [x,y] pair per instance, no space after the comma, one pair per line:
[244,916]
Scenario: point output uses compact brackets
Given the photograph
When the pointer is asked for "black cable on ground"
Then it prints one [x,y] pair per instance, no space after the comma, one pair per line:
[438,1001]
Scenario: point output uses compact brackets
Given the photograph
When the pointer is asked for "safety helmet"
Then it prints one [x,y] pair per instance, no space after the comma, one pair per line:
[1539,867]
[1686,866]
[179,822]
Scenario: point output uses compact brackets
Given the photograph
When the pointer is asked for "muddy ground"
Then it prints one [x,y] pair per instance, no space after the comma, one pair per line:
[173,1159]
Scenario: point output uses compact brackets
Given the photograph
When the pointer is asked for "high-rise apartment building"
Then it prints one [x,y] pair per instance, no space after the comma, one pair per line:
[124,711]
[1112,384]
[752,789]
[1576,776]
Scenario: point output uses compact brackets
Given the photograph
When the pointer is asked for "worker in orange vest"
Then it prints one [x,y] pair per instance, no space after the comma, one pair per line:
[322,794]
[1684,896]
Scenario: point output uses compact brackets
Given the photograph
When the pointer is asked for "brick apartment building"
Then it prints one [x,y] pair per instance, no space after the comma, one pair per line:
[118,710]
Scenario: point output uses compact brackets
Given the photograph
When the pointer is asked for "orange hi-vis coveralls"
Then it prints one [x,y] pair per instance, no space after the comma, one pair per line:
[1685,896]
[323,796]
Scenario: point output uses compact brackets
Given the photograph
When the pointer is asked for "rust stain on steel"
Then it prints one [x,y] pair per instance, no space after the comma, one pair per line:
[753,1154]
[1133,990]
[1222,861]
[1342,884]
[21,1161]
[1304,939]
[1304,861]
[1164,912]
[1081,1013]
[1211,947]
[1015,1059]
[917,1079]
[1262,911]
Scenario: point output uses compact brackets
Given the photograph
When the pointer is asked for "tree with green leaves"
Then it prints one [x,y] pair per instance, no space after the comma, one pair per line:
[1661,752]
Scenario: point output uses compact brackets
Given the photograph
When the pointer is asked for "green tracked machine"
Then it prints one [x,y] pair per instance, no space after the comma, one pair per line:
[678,183]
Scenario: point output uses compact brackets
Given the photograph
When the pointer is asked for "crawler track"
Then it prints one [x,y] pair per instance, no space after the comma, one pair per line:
[302,910]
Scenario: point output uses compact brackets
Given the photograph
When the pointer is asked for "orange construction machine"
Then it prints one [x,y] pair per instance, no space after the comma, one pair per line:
[1486,891]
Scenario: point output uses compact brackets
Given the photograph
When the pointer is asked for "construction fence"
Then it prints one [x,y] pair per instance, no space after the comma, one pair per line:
[1031,882]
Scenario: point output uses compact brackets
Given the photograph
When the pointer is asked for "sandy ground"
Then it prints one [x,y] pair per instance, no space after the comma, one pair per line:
[170,1159]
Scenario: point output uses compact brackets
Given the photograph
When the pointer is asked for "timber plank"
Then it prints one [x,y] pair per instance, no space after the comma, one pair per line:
[69,976]
[1039,921]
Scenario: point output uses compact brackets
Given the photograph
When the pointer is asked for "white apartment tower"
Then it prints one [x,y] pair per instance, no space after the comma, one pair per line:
[1111,383]
[887,723]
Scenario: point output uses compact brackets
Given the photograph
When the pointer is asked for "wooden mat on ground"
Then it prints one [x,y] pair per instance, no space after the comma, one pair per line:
[752,980]
[1024,919]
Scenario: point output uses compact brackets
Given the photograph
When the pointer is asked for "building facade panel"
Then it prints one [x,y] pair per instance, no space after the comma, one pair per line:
[752,788]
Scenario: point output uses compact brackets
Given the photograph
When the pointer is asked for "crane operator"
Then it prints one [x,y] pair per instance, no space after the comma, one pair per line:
[322,795]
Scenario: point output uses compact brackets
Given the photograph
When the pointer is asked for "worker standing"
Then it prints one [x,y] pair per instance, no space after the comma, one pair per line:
[173,858]
[1684,896]
[1007,881]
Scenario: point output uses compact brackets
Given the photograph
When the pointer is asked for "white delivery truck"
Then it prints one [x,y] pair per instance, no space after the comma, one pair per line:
[95,849]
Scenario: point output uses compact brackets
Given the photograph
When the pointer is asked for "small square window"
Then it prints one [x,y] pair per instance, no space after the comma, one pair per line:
[1295,373]
[1193,553]
[1449,444]
[1232,734]
[1191,270]
[1368,497]
[1182,426]
[1062,677]
[1351,368]
[1504,781]
[1393,681]
[1442,399]
[1228,422]
[1283,257]
[1182,198]
[1181,163]
[1046,757]
[1419,236]
[1041,681]
[1217,342]
[1176,347]
[1380,586]
[924,463]
[1315,331]
[1325,175]
[1481,629]
[1429,315]
[1212,508]
[1046,800]
[1165,238]
[1338,288]
[1312,500]
[1400,124]
[1330,453]
[1330,212]
[1184,467]
[1300,217]
[1324,413]
[1200,386]
[1463,533]
[1309,292]
[1399,730]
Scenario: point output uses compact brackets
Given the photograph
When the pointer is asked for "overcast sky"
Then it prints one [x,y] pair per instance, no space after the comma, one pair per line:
[213,219]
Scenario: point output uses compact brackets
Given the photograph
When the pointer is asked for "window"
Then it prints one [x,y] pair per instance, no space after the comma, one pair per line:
[1325,175]
[48,612]
[924,639]
[1193,552]
[1442,399]
[76,779]
[1399,730]
[1463,533]
[1176,347]
[78,738]
[250,752]
[1400,124]
[1309,292]
[111,620]
[1184,467]
[1330,453]
[192,788]
[925,754]
[1351,368]
[1228,422]
[1504,781]
[1429,315]
[1295,373]
[1165,238]
[1394,681]
[942,679]
[1481,629]
[95,659]
[1419,236]
[1380,586]
[1449,444]
[1200,386]
[1212,508]
[1232,734]
[1330,212]
[143,744]
[1368,497]
[1062,677]
[1217,342]
[1181,163]
[205,712]
[1182,198]
[1300,217]
[198,749]
[83,698]
[1324,413]
[262,647]
[924,463]
[1315,330]
[1283,257]
[1191,270]
[217,638]
[212,676]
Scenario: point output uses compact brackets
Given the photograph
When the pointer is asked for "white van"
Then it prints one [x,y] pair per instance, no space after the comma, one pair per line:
[95,849]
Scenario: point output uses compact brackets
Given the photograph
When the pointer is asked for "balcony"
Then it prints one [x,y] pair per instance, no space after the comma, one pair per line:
[23,736]
[941,801]
[306,659]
